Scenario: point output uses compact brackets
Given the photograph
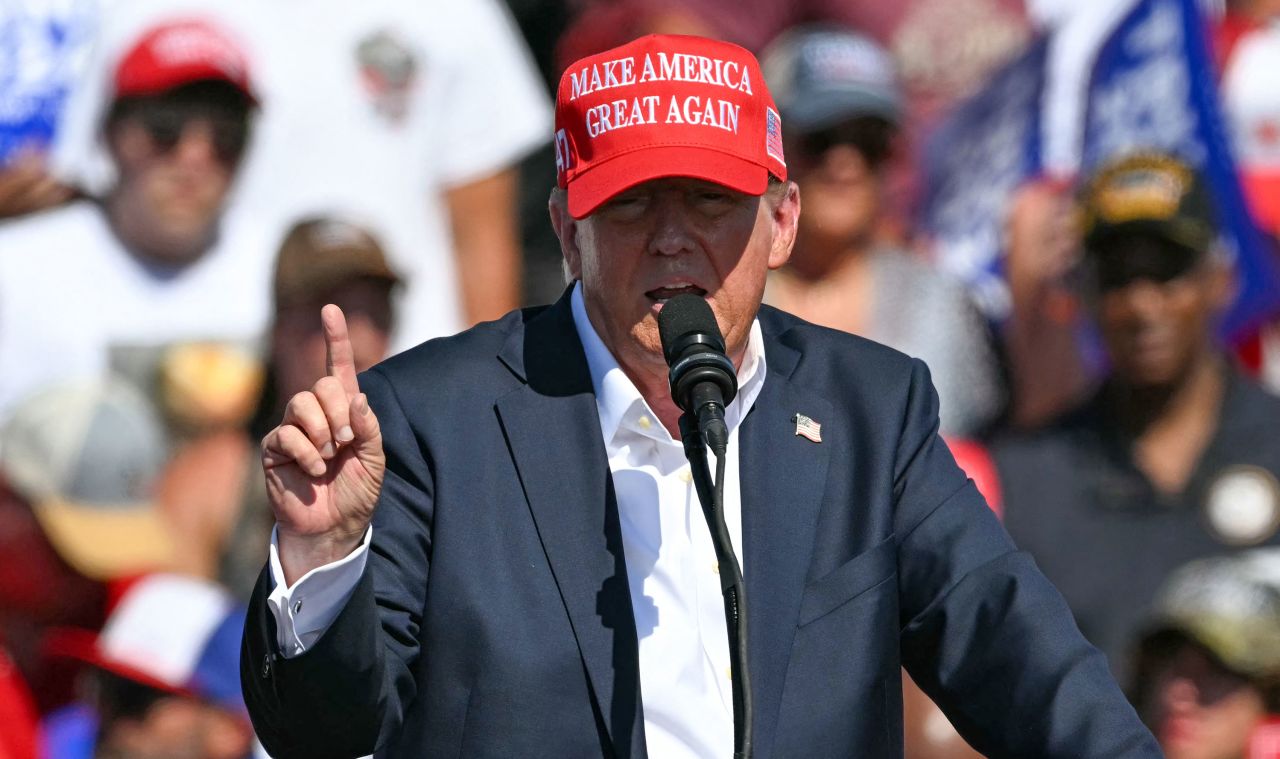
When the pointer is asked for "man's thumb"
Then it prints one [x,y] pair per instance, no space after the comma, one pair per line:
[368,434]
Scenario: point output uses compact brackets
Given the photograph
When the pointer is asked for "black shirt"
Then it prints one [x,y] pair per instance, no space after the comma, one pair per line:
[1107,538]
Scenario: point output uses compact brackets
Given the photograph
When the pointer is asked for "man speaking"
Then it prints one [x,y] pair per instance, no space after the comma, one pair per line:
[492,546]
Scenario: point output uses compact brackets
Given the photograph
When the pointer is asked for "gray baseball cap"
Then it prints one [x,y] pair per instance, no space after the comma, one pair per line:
[821,75]
[87,456]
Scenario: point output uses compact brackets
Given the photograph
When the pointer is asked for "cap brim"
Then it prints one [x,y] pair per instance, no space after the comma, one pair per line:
[162,82]
[82,645]
[103,543]
[1103,233]
[589,190]
[828,107]
[1205,634]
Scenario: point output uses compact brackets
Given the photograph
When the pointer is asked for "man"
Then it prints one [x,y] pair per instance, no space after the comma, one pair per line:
[161,677]
[1209,659]
[322,260]
[78,470]
[1175,457]
[839,97]
[95,285]
[537,580]
[410,118]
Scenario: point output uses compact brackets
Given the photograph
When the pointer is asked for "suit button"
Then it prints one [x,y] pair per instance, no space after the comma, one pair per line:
[266,666]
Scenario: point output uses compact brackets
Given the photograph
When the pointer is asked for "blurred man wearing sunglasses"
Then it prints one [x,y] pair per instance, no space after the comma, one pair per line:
[1176,456]
[839,97]
[149,265]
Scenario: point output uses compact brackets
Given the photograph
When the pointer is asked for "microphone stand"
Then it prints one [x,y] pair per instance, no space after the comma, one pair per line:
[711,496]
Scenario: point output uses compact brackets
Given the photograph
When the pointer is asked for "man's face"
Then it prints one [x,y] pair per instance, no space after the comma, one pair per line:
[840,169]
[177,154]
[299,350]
[1155,306]
[671,236]
[1198,709]
[176,727]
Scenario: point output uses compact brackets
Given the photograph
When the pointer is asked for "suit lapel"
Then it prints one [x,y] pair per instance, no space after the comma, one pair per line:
[553,430]
[787,475]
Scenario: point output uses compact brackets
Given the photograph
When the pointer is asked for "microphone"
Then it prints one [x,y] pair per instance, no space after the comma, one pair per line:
[703,380]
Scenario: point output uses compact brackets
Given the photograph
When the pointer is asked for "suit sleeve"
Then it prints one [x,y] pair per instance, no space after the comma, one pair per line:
[347,695]
[984,633]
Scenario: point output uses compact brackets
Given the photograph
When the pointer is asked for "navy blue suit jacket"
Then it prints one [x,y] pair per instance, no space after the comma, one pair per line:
[494,618]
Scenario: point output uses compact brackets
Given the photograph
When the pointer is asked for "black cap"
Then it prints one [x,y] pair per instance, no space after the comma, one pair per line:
[1148,194]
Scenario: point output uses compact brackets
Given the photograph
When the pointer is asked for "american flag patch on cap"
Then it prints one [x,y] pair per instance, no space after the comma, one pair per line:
[808,428]
[773,135]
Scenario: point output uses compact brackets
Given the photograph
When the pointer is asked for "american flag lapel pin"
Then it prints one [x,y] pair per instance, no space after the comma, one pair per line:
[808,428]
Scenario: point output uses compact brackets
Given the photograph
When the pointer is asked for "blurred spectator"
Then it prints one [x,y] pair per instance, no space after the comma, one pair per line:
[163,680]
[842,109]
[1251,104]
[116,284]
[1208,670]
[43,47]
[1175,457]
[321,261]
[407,117]
[78,464]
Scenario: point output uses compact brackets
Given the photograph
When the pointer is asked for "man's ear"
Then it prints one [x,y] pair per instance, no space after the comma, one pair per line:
[784,209]
[566,228]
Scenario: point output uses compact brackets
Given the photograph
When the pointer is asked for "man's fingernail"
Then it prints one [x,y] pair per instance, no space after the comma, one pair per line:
[345,435]
[319,469]
[362,404]
[327,450]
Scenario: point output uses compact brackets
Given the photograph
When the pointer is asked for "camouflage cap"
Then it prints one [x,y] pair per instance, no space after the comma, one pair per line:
[1229,605]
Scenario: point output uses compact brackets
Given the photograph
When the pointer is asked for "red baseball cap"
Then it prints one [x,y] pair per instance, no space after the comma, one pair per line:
[665,106]
[178,53]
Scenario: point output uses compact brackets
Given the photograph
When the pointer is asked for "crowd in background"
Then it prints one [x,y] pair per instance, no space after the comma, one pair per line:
[184,184]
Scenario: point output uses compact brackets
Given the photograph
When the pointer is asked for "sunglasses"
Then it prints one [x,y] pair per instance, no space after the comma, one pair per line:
[166,123]
[872,137]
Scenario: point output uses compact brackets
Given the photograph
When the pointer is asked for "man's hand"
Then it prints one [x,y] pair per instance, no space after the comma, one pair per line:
[26,187]
[324,463]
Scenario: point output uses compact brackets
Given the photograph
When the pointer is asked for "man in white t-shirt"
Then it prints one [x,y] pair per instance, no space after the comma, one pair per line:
[407,118]
[110,284]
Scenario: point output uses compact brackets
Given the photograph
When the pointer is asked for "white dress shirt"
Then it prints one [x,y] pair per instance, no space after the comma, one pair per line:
[671,564]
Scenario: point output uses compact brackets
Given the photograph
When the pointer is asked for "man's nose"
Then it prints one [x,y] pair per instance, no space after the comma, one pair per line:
[845,163]
[1181,695]
[673,231]
[1144,297]
[196,145]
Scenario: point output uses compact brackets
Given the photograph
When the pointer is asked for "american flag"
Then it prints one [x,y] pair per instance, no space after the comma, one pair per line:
[773,135]
[808,428]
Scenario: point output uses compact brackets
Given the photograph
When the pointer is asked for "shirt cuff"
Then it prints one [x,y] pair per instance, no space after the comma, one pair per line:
[303,612]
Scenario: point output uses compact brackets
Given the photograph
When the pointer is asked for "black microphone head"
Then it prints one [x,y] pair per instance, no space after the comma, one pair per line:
[682,317]
[694,349]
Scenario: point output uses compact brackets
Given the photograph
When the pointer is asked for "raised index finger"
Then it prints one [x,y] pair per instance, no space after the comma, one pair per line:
[339,358]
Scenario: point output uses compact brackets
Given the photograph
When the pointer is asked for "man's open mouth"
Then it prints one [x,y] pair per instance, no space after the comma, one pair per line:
[664,294]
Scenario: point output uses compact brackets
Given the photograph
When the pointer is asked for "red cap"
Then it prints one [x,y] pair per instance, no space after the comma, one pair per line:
[179,53]
[665,106]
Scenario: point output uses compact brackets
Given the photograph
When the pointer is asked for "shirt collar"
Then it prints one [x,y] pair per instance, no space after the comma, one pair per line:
[616,395]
